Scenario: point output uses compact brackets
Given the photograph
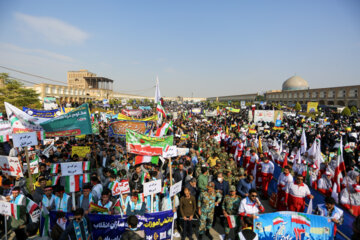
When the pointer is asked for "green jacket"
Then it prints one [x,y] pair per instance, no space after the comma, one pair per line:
[202,182]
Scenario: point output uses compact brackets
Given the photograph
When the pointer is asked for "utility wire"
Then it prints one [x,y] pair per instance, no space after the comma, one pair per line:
[33,75]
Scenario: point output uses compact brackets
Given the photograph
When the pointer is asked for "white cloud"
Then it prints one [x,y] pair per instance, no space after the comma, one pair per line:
[35,52]
[52,29]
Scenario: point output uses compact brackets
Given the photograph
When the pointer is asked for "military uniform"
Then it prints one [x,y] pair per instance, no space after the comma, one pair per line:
[206,203]
[231,206]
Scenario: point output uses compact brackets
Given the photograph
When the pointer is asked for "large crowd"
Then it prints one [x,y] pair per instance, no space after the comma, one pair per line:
[226,172]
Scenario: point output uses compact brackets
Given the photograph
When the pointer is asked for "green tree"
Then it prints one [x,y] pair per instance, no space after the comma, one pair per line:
[16,94]
[346,112]
[354,109]
[298,107]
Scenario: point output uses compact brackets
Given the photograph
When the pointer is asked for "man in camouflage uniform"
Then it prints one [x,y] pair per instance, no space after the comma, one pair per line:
[206,207]
[230,206]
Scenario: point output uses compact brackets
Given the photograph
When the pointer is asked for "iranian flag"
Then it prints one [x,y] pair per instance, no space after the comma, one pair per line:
[4,138]
[55,180]
[160,110]
[86,166]
[300,219]
[15,211]
[164,129]
[40,135]
[145,145]
[347,148]
[340,166]
[86,178]
[146,159]
[141,197]
[231,221]
[54,168]
[277,220]
[72,183]
[30,206]
[143,177]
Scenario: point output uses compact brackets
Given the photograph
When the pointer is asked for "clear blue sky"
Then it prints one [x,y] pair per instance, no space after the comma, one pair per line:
[205,48]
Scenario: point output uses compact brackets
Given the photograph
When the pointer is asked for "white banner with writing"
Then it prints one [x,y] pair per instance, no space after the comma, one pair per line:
[71,168]
[25,139]
[152,187]
[11,166]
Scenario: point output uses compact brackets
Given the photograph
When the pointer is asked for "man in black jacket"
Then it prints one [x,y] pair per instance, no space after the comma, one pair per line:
[79,228]
[132,233]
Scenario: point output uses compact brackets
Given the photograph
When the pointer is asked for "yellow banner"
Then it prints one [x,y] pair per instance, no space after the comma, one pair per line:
[66,110]
[312,107]
[81,151]
[234,110]
[124,117]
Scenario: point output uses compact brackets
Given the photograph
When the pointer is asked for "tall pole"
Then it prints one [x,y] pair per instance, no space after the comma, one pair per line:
[28,168]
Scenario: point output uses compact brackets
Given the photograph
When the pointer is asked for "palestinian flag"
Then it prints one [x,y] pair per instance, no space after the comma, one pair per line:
[30,206]
[146,159]
[117,206]
[231,221]
[40,135]
[15,211]
[72,183]
[160,110]
[300,219]
[145,145]
[54,168]
[55,180]
[4,138]
[277,220]
[86,166]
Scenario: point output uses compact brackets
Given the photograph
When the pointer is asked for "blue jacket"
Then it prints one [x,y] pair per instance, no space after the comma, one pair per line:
[224,186]
[243,187]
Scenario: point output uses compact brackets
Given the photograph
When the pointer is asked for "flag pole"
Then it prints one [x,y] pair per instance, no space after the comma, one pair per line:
[5,218]
[73,201]
[29,171]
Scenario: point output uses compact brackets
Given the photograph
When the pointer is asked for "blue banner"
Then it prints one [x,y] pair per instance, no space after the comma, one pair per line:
[42,113]
[145,107]
[344,231]
[155,225]
[293,226]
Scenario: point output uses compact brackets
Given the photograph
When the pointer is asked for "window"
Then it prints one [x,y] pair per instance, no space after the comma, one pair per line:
[47,90]
[307,95]
[301,95]
[314,94]
[295,95]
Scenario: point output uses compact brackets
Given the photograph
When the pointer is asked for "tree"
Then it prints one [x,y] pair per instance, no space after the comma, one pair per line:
[346,112]
[16,94]
[354,109]
[298,107]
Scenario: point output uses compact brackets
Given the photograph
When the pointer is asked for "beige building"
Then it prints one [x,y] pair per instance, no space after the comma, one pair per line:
[243,97]
[296,89]
[85,86]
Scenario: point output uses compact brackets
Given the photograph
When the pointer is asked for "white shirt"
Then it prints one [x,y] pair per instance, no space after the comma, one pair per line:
[248,207]
[267,167]
[284,180]
[297,190]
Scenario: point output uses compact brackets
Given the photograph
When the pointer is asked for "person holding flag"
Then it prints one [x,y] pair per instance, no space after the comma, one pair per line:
[135,206]
[230,207]
[328,209]
[18,220]
[86,198]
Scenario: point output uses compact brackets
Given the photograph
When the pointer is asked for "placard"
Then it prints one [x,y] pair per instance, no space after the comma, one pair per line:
[34,167]
[152,187]
[182,151]
[11,166]
[122,187]
[170,151]
[48,141]
[175,189]
[25,139]
[81,151]
[47,150]
[5,208]
[71,168]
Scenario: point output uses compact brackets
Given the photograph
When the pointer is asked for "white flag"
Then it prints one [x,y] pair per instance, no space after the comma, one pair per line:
[157,91]
[303,142]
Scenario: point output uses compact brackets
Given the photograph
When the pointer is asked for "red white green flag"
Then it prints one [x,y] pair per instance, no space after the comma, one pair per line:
[30,206]
[15,211]
[146,159]
[231,221]
[340,165]
[300,219]
[4,138]
[40,135]
[54,168]
[86,166]
[72,183]
[55,180]
[277,220]
[164,129]
[86,178]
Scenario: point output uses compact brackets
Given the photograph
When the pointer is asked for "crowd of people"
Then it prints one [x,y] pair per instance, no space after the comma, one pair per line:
[226,172]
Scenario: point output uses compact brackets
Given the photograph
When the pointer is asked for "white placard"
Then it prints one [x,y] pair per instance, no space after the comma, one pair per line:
[152,187]
[34,167]
[49,141]
[121,187]
[175,189]
[182,151]
[71,168]
[25,139]
[11,166]
[5,208]
[357,124]
[47,150]
[170,151]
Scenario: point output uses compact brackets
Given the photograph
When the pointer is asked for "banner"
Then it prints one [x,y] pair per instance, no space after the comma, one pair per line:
[119,128]
[145,107]
[50,103]
[233,110]
[124,117]
[25,139]
[292,225]
[312,107]
[264,115]
[144,145]
[132,113]
[76,122]
[22,122]
[111,227]
[42,113]
[81,151]
[196,110]
[71,168]
[10,166]
[278,118]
